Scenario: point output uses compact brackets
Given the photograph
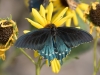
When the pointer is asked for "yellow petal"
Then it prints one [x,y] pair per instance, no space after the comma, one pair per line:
[47,63]
[51,0]
[36,54]
[49,13]
[54,16]
[75,20]
[83,6]
[58,64]
[68,22]
[57,4]
[94,5]
[91,28]
[55,65]
[60,15]
[42,13]
[77,27]
[35,24]
[3,48]
[2,55]
[80,13]
[26,31]
[98,31]
[61,21]
[38,17]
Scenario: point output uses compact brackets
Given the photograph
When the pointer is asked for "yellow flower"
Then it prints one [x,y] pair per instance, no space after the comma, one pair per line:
[93,15]
[73,9]
[43,19]
[8,35]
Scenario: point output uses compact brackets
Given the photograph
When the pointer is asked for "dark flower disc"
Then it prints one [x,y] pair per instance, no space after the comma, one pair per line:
[5,33]
[94,15]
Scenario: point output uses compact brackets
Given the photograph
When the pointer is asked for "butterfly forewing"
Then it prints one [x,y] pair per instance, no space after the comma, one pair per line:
[73,36]
[34,39]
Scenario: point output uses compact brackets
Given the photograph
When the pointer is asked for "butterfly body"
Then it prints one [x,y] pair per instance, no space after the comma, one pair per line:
[53,42]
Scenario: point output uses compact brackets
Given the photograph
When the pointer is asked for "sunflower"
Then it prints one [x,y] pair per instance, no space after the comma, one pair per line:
[43,19]
[8,35]
[74,8]
[93,16]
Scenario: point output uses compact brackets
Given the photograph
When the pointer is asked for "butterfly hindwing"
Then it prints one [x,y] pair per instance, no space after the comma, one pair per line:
[73,37]
[34,39]
[61,49]
[48,50]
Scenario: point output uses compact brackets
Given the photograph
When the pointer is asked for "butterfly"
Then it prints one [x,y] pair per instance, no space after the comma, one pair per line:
[53,42]
[36,4]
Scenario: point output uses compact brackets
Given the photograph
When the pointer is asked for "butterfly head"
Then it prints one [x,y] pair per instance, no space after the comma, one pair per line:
[52,28]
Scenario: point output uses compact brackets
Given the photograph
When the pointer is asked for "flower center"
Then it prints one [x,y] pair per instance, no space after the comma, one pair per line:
[64,3]
[95,15]
[5,33]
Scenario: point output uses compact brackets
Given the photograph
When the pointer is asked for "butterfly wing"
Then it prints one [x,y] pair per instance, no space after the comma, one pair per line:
[68,37]
[48,50]
[60,48]
[40,40]
[35,4]
[33,40]
[73,37]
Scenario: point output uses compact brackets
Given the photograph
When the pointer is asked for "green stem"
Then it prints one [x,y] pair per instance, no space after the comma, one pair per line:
[38,69]
[98,67]
[38,66]
[27,56]
[94,54]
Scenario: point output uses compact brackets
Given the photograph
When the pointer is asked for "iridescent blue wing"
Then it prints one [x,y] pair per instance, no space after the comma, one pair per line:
[48,50]
[60,48]
[35,4]
[68,37]
[73,37]
[40,40]
[34,39]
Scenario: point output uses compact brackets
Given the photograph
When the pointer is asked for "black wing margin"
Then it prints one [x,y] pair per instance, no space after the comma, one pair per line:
[33,40]
[73,36]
